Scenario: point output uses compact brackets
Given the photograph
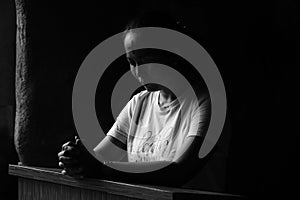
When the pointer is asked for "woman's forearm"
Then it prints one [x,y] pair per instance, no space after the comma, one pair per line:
[158,173]
[164,173]
[137,167]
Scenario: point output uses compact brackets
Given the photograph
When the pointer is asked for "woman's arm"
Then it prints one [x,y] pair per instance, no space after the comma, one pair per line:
[110,149]
[170,173]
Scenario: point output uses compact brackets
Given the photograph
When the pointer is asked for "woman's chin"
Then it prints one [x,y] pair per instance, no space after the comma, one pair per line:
[151,87]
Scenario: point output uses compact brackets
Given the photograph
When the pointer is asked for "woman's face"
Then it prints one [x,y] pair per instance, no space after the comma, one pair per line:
[142,63]
[130,41]
[144,66]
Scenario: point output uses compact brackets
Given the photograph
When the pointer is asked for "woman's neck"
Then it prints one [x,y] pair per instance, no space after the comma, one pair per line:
[166,96]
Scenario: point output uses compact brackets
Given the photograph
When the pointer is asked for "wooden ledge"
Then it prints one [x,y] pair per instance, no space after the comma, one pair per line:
[52,175]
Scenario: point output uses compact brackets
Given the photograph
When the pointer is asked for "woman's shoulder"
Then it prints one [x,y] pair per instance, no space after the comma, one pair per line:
[144,95]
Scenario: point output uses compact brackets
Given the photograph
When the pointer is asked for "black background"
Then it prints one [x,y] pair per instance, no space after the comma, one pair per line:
[254,44]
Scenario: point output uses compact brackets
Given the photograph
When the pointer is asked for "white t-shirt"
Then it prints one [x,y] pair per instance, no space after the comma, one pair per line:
[155,133]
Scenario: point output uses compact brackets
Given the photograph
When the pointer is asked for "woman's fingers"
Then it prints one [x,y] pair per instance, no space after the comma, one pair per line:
[69,151]
[69,165]
[70,143]
[61,164]
[68,160]
[75,172]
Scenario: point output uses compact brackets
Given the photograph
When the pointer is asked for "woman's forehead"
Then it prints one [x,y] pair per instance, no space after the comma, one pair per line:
[131,39]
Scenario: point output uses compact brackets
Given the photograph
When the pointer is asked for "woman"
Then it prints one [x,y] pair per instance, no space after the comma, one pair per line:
[160,130]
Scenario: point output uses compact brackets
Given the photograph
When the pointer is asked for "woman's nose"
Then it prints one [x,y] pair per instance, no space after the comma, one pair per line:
[135,72]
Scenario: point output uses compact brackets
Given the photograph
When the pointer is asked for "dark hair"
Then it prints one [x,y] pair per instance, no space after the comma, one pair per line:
[165,20]
[155,19]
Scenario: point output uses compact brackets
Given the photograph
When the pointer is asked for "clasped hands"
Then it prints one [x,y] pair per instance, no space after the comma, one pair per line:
[75,160]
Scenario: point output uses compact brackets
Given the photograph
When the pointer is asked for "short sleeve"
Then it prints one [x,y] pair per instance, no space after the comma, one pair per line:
[200,118]
[120,128]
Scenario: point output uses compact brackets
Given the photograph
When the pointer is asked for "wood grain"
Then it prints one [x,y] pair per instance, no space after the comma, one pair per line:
[36,190]
[49,183]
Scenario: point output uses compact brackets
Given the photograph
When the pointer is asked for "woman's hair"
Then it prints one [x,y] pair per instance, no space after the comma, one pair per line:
[155,19]
[165,20]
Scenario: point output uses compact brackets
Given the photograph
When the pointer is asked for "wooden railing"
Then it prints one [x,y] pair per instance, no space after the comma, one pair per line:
[48,183]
